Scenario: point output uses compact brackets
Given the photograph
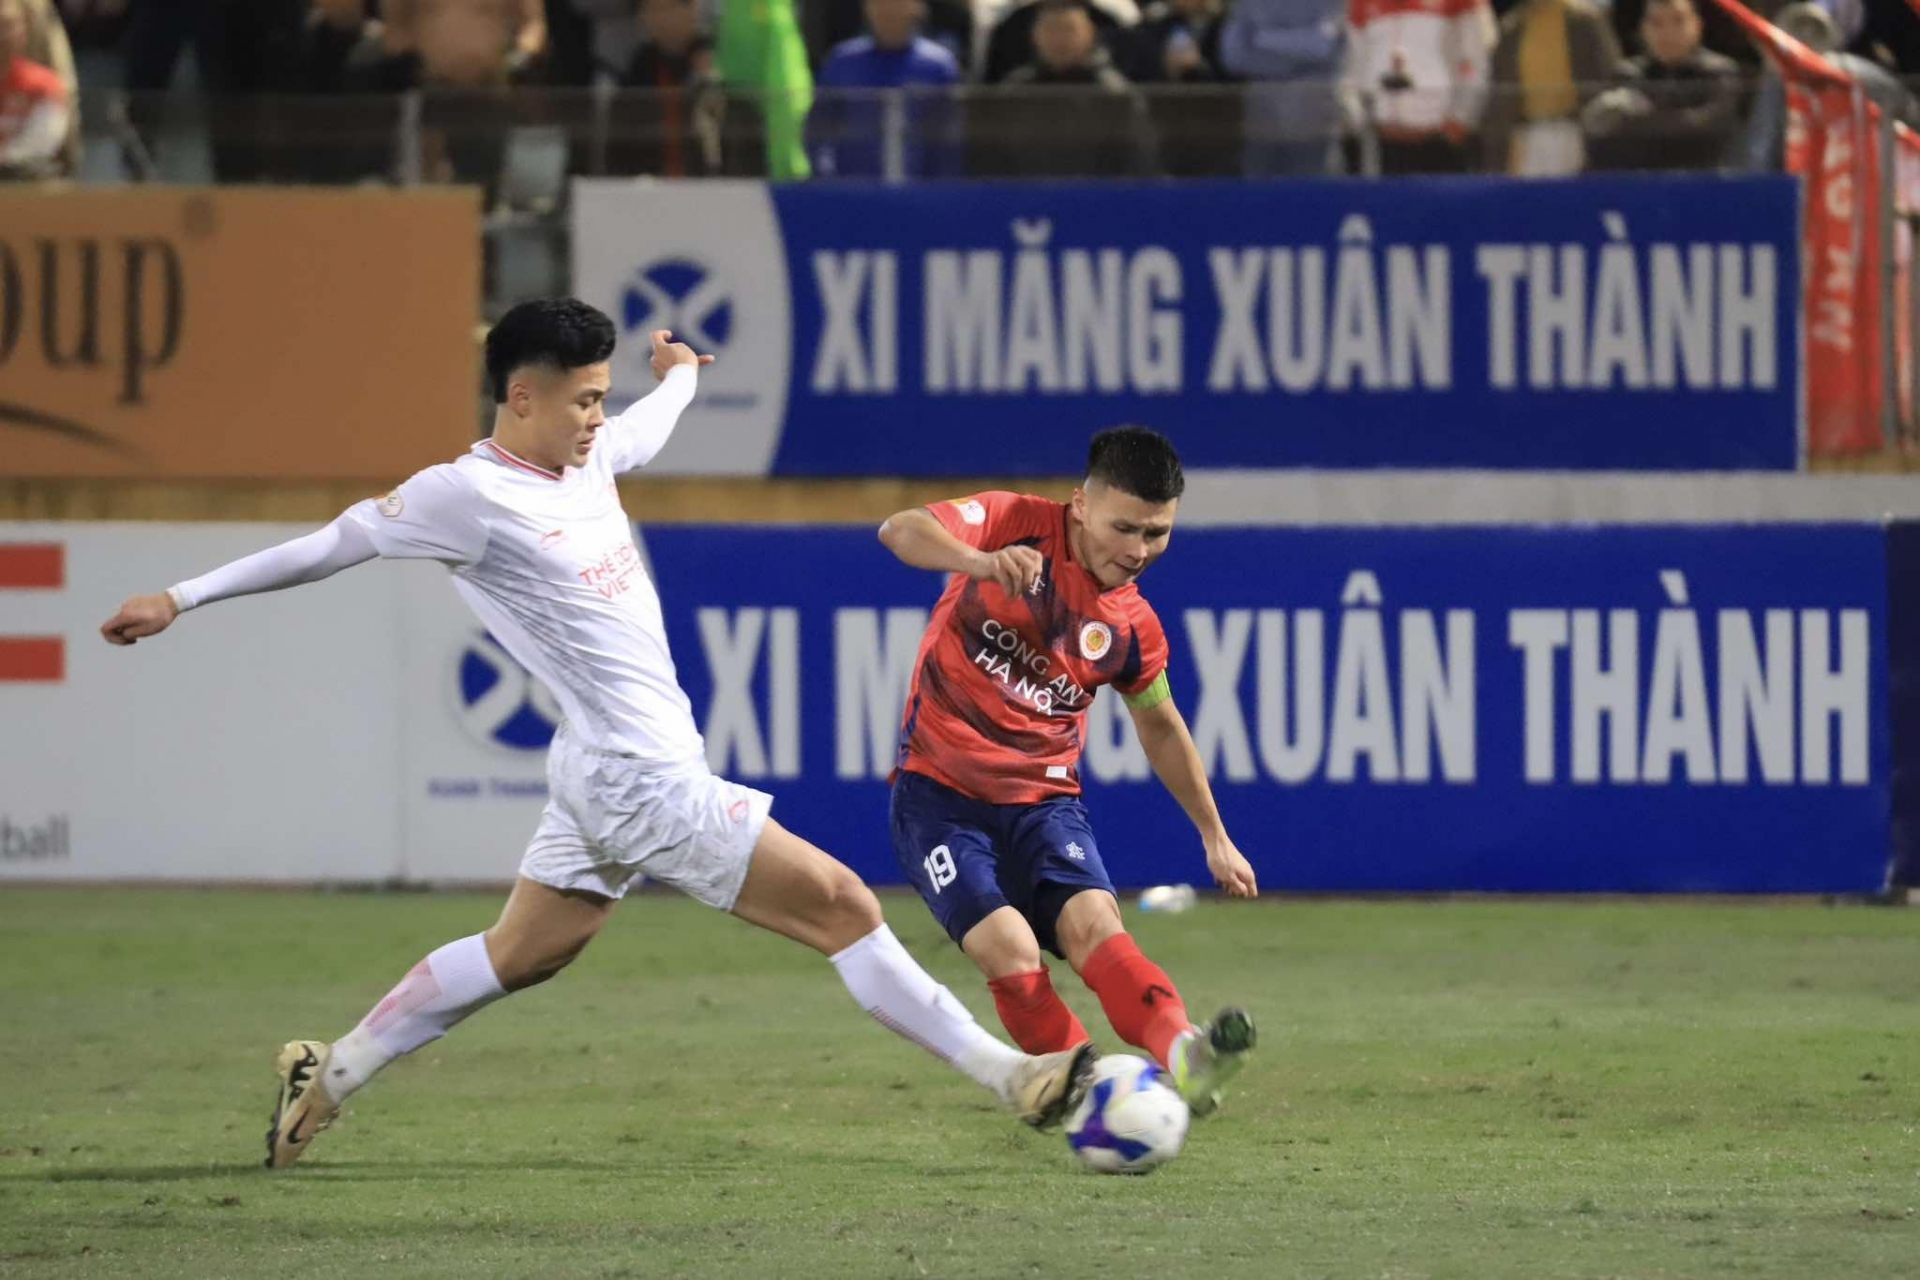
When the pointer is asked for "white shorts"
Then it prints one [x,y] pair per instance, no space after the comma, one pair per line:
[609,818]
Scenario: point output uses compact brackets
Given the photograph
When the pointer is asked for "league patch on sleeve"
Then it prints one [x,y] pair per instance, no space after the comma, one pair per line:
[971,511]
[390,504]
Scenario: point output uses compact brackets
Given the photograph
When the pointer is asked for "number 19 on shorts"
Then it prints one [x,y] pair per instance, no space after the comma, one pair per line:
[940,869]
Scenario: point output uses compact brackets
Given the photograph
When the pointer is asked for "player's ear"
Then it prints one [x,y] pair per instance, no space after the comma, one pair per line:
[519,397]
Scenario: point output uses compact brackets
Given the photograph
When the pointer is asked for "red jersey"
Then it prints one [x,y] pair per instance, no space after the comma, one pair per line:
[1001,686]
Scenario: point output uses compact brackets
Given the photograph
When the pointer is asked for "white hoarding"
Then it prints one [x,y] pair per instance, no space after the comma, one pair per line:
[357,729]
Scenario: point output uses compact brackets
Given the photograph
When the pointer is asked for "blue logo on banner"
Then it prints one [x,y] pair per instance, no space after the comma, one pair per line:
[500,703]
[683,296]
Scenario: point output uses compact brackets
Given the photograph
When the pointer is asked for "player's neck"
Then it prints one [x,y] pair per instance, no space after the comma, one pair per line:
[522,445]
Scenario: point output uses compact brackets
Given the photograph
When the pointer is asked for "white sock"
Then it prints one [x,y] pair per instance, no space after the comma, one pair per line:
[449,984]
[902,997]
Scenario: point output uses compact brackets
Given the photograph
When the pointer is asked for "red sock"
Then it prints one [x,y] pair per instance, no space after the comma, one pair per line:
[1034,1015]
[1137,994]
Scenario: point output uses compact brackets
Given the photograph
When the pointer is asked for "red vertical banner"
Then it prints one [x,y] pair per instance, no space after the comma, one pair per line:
[1833,144]
[1841,247]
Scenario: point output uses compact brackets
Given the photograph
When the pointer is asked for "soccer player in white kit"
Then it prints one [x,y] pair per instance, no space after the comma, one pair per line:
[530,522]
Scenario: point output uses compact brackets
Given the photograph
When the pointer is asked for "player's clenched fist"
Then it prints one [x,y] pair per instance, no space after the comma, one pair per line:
[140,617]
[1016,569]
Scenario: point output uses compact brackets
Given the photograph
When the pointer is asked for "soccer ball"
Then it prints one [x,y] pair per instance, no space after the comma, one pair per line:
[1132,1120]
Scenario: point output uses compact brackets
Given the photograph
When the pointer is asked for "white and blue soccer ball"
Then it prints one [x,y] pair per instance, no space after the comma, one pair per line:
[1132,1120]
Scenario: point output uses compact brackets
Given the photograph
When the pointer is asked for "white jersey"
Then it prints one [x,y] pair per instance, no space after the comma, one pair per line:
[548,562]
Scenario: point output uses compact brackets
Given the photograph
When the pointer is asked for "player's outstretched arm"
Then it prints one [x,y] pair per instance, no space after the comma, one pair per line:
[1176,762]
[317,555]
[643,430]
[921,541]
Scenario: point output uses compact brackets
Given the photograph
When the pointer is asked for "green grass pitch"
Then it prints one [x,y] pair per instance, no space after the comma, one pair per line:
[1471,1089]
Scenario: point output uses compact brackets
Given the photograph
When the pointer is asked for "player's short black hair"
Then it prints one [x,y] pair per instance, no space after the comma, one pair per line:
[1138,461]
[556,333]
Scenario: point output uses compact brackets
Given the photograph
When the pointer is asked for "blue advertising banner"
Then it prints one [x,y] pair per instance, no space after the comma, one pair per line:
[1558,710]
[988,328]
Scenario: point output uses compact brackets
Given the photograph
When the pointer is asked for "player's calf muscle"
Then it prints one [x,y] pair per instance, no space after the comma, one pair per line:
[524,963]
[541,931]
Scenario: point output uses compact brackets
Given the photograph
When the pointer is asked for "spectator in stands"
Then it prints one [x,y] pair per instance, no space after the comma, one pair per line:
[1068,113]
[1011,45]
[1554,56]
[1761,147]
[831,23]
[336,31]
[846,132]
[1178,43]
[663,132]
[466,53]
[1675,106]
[1293,51]
[46,43]
[1417,74]
[1719,32]
[686,124]
[590,41]
[466,44]
[34,111]
[241,52]
[336,131]
[674,52]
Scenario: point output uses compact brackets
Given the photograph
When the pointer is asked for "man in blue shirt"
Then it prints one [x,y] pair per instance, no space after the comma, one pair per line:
[847,134]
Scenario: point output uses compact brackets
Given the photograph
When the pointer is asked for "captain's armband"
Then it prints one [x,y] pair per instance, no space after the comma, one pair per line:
[1151,696]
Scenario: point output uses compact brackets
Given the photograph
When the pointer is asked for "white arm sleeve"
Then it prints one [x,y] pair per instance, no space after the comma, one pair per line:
[638,434]
[319,554]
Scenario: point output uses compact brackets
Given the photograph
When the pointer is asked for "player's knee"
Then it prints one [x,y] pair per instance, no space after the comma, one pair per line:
[1014,957]
[840,911]
[852,905]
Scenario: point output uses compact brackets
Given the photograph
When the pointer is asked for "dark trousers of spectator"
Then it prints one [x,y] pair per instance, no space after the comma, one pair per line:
[1435,154]
[243,49]
[467,130]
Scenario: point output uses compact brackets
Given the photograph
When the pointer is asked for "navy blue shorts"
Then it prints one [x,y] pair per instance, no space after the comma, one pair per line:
[969,858]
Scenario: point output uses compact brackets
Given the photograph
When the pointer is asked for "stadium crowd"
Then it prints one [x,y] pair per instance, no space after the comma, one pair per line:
[307,89]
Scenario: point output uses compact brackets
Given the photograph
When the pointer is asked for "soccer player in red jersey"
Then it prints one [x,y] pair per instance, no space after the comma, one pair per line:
[986,816]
